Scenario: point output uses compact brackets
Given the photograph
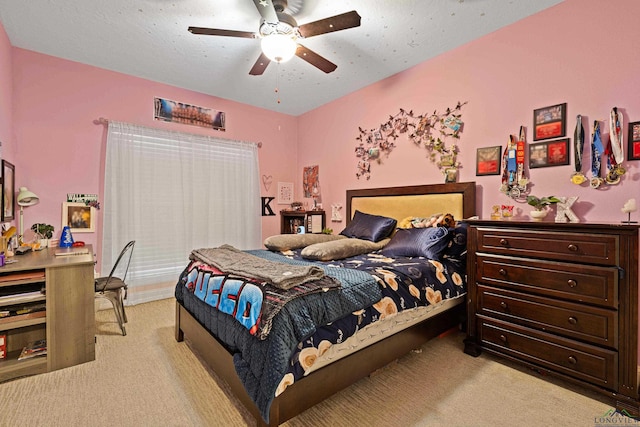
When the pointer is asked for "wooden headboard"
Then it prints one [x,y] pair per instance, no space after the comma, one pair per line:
[458,199]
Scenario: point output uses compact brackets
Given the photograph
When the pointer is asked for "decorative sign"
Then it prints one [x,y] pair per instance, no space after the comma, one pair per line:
[180,112]
[81,198]
[266,208]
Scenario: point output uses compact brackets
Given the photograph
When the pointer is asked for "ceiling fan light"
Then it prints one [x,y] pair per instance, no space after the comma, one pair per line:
[279,47]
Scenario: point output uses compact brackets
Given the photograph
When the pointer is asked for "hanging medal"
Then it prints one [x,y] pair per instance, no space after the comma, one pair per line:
[596,152]
[504,187]
[520,149]
[514,182]
[615,149]
[512,167]
[578,140]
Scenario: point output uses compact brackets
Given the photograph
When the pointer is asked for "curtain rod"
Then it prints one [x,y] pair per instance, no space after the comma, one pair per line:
[103,121]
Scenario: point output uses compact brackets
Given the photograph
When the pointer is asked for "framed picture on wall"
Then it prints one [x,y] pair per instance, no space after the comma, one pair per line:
[8,191]
[488,160]
[285,193]
[550,122]
[551,153]
[633,151]
[79,217]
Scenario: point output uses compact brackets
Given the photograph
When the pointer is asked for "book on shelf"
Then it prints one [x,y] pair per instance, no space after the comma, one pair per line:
[16,310]
[3,346]
[33,349]
[18,276]
[20,298]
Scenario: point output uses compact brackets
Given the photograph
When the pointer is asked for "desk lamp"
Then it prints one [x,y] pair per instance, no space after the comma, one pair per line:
[25,198]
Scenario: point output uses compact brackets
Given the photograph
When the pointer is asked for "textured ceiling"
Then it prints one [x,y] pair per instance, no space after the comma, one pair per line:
[149,39]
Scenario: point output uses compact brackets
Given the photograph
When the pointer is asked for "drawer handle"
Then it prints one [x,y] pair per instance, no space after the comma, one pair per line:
[503,338]
[503,305]
[573,320]
[572,248]
[573,360]
[572,283]
[502,272]
[504,242]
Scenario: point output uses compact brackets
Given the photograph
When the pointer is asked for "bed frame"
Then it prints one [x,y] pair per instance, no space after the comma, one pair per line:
[456,198]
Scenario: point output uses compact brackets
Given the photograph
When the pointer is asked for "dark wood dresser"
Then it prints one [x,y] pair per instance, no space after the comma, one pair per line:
[561,299]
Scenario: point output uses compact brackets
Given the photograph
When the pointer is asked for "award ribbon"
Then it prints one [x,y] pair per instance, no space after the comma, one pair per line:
[615,150]
[596,151]
[578,140]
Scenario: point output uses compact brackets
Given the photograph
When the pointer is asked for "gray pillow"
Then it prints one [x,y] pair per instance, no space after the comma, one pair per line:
[285,242]
[340,249]
[428,242]
[369,227]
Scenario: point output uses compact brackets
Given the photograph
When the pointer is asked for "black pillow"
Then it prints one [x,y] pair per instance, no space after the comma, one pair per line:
[369,227]
[427,242]
[457,247]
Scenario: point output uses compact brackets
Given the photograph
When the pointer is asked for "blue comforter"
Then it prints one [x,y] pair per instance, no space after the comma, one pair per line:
[261,364]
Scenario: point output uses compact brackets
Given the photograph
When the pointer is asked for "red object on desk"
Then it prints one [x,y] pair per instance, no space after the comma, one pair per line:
[77,244]
[3,346]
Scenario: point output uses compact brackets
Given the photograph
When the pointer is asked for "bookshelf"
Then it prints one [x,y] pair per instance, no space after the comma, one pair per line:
[313,221]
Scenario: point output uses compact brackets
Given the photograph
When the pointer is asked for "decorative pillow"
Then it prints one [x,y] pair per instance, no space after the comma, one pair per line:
[285,242]
[457,247]
[369,227]
[418,242]
[340,249]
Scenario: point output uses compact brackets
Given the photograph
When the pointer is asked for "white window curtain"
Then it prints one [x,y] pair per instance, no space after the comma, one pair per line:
[172,192]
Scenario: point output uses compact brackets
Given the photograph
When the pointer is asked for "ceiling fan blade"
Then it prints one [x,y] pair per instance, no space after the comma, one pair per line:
[267,11]
[217,32]
[260,65]
[329,25]
[314,59]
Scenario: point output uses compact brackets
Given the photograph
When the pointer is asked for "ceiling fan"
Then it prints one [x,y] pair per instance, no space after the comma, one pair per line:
[279,33]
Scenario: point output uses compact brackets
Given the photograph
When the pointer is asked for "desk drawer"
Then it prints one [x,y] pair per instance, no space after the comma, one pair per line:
[562,246]
[586,362]
[585,323]
[579,283]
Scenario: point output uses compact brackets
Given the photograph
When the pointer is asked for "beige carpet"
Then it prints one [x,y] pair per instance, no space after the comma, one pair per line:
[148,379]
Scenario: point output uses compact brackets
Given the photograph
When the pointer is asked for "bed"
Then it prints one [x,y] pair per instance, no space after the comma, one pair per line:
[345,363]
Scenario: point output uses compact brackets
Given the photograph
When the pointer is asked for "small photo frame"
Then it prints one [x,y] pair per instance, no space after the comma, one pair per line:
[79,217]
[285,193]
[8,191]
[550,153]
[450,175]
[488,160]
[550,122]
[633,150]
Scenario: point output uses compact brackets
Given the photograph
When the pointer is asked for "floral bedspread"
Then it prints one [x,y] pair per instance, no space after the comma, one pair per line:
[405,282]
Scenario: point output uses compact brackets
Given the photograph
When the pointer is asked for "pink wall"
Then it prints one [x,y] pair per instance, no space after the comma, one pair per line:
[60,150]
[563,54]
[580,52]
[6,100]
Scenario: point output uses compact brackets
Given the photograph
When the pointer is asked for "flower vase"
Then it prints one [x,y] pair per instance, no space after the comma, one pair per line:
[538,215]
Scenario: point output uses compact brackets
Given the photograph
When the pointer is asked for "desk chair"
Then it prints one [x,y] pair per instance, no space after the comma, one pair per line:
[114,288]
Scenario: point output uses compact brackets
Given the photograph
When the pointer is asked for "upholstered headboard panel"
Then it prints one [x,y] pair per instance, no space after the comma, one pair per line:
[458,199]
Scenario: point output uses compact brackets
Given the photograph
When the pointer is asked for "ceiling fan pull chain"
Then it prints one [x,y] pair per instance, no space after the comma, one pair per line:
[277,91]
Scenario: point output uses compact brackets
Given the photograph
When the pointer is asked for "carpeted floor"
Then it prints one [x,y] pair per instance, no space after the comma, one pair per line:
[148,379]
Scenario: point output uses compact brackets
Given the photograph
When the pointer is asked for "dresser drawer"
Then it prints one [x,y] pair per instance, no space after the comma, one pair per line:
[586,362]
[563,246]
[580,283]
[585,323]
